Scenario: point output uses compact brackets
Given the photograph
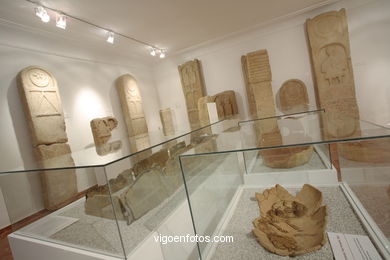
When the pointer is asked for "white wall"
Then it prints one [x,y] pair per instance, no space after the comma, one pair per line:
[285,40]
[86,78]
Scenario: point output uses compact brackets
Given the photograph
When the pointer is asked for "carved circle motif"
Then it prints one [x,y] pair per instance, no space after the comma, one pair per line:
[39,77]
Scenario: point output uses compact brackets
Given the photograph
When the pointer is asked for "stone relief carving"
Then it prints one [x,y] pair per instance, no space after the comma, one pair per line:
[42,106]
[331,62]
[293,96]
[259,77]
[193,88]
[167,121]
[101,129]
[133,112]
[290,225]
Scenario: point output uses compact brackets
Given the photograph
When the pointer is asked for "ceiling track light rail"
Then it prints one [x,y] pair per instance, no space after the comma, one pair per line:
[61,20]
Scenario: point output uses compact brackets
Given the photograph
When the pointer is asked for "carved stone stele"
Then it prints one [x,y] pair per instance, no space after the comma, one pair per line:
[193,88]
[293,96]
[133,111]
[259,77]
[167,121]
[248,87]
[332,66]
[290,225]
[42,106]
[101,129]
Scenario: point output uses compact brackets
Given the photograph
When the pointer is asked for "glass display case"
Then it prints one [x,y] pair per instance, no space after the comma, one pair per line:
[135,196]
[346,159]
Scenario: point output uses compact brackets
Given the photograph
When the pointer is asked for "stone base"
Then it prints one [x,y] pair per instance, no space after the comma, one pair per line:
[286,157]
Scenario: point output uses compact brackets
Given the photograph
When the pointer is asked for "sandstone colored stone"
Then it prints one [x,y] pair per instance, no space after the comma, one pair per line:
[101,129]
[167,121]
[204,117]
[42,105]
[332,66]
[58,186]
[290,225]
[293,96]
[226,104]
[248,87]
[193,88]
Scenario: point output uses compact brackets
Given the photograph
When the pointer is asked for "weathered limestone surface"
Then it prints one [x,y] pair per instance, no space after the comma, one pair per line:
[259,77]
[293,96]
[332,66]
[226,104]
[290,225]
[133,111]
[193,88]
[101,129]
[248,87]
[42,106]
[167,121]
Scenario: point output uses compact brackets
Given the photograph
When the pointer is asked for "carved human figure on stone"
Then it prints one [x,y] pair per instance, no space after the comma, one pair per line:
[335,65]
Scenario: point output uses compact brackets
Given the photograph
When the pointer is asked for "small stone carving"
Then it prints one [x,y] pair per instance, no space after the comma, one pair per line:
[293,96]
[101,129]
[193,88]
[290,225]
[167,121]
[42,106]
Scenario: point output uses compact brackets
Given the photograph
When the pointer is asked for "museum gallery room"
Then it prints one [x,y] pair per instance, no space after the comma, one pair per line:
[209,129]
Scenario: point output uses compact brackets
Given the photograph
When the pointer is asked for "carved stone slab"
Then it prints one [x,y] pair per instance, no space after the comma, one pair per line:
[331,62]
[42,106]
[204,117]
[248,87]
[226,104]
[193,88]
[167,121]
[293,96]
[101,129]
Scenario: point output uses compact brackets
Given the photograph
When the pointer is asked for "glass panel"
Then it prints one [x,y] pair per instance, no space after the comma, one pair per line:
[62,220]
[365,167]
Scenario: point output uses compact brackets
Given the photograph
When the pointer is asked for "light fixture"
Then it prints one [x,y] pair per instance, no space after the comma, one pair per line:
[61,21]
[153,51]
[110,38]
[162,54]
[42,13]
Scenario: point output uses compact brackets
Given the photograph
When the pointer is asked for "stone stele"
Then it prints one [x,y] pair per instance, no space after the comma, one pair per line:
[290,225]
[42,106]
[193,88]
[259,77]
[167,121]
[293,96]
[133,112]
[248,87]
[101,129]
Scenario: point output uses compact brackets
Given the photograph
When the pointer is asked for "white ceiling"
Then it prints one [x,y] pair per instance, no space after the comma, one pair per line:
[171,24]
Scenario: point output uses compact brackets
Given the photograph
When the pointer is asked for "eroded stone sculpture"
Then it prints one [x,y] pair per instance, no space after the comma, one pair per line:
[332,66]
[293,96]
[259,77]
[42,106]
[193,88]
[167,121]
[133,112]
[290,225]
[101,129]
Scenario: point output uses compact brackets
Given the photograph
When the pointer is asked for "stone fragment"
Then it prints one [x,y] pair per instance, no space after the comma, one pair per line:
[193,88]
[167,121]
[290,225]
[226,104]
[293,96]
[101,129]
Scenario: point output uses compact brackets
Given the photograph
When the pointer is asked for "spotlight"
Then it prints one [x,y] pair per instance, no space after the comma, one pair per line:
[153,51]
[61,21]
[162,54]
[110,38]
[41,13]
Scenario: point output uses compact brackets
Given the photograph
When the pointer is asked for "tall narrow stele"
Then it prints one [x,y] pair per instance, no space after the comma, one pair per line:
[42,106]
[332,66]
